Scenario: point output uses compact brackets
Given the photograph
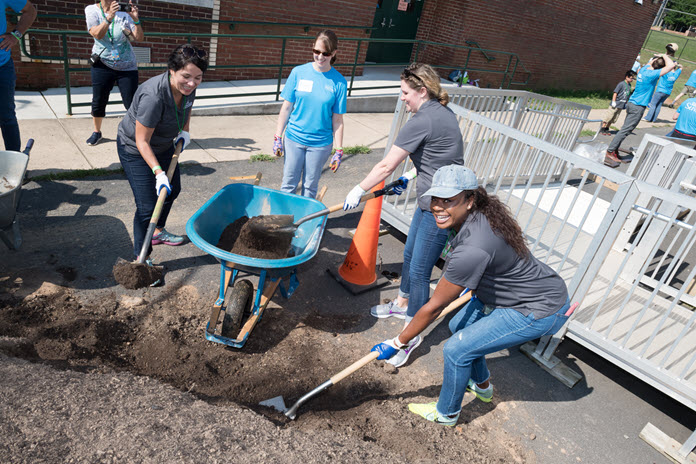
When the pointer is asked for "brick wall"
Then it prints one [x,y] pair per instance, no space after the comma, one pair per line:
[229,51]
[564,43]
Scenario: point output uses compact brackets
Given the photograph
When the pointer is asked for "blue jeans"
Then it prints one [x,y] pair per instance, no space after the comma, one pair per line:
[476,335]
[303,163]
[142,183]
[103,80]
[8,118]
[655,106]
[424,243]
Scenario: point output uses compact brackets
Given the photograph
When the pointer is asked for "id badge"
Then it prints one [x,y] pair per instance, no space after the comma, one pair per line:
[115,55]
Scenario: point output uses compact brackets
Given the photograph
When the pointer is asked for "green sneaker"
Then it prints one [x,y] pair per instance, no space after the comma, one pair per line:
[428,411]
[484,394]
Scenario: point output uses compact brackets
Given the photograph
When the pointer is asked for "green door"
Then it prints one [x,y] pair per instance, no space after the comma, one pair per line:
[394,19]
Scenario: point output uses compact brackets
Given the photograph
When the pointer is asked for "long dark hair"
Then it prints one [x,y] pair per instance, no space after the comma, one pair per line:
[500,219]
[185,54]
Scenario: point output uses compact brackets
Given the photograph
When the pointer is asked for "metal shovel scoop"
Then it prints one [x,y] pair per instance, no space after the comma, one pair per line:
[278,403]
[282,224]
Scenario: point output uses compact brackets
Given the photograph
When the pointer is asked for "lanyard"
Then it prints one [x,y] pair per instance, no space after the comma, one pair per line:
[176,109]
[110,33]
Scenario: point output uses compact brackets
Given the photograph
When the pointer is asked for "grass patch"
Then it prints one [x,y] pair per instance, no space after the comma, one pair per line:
[262,157]
[588,133]
[597,99]
[356,150]
[76,174]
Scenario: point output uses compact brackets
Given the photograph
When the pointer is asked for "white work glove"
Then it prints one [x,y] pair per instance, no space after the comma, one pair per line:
[162,182]
[613,104]
[185,136]
[353,198]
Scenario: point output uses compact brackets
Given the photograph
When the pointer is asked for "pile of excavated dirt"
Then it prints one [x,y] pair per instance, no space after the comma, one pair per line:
[239,238]
[289,354]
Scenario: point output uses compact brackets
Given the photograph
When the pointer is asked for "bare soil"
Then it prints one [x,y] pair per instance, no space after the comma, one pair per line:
[239,238]
[95,347]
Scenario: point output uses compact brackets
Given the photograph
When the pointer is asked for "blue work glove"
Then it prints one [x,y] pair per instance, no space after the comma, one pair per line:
[162,182]
[386,349]
[185,136]
[278,145]
[336,159]
[353,198]
[399,189]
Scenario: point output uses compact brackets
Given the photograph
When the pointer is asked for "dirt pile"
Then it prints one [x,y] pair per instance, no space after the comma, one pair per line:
[239,238]
[288,355]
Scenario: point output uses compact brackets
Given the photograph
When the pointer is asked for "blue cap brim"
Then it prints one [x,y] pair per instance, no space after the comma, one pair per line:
[442,192]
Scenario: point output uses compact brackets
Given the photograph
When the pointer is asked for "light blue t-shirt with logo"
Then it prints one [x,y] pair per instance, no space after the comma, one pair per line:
[687,117]
[17,6]
[645,86]
[316,97]
[666,83]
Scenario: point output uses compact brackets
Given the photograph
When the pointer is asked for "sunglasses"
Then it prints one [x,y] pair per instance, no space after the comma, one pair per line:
[317,52]
[189,51]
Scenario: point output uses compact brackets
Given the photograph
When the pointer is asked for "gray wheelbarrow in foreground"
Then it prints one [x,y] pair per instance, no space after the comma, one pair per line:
[13,166]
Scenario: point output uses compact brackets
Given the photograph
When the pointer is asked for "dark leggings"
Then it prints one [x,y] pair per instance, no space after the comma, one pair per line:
[142,182]
[103,80]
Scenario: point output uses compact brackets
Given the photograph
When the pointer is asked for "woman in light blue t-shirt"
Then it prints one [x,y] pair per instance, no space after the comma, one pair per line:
[312,118]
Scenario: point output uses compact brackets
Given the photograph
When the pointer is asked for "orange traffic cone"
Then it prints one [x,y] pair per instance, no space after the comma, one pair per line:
[359,266]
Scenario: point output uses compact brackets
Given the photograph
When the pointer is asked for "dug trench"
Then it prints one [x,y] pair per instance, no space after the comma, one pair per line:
[289,354]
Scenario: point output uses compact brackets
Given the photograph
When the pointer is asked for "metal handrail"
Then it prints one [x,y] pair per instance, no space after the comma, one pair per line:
[507,79]
[475,44]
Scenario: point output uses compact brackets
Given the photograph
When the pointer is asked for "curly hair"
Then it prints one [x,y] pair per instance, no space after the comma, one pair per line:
[500,219]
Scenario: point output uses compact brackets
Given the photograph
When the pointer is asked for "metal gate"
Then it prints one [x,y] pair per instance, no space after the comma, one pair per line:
[572,210]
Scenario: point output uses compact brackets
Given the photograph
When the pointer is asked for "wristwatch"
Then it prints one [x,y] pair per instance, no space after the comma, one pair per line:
[16,34]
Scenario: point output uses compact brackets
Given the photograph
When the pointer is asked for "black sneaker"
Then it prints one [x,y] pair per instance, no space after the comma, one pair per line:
[94,138]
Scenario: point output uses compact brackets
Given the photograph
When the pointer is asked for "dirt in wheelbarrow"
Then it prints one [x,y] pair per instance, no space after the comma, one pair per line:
[239,238]
[95,347]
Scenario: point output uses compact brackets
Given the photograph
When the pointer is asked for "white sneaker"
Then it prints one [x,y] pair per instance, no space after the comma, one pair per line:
[400,358]
[390,309]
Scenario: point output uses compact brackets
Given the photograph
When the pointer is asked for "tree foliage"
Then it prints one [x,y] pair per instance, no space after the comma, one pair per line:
[678,20]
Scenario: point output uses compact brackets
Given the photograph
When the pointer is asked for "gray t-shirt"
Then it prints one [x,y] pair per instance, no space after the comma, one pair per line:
[433,139]
[485,263]
[114,49]
[153,107]
[623,93]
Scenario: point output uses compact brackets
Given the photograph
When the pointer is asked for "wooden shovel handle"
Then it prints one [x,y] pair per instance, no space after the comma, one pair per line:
[373,354]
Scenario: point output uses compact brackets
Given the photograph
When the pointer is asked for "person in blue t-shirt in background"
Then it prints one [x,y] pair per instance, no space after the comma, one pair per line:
[8,77]
[663,90]
[686,121]
[689,89]
[315,101]
[645,86]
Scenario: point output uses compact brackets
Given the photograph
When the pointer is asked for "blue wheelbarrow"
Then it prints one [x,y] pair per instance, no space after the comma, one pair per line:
[242,309]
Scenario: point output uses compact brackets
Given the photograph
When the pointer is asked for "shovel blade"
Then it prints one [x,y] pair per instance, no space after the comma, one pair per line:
[276,403]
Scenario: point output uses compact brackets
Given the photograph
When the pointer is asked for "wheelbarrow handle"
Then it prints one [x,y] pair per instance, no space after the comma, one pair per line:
[30,144]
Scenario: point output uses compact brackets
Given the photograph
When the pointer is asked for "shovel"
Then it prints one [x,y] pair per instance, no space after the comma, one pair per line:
[139,274]
[282,225]
[279,404]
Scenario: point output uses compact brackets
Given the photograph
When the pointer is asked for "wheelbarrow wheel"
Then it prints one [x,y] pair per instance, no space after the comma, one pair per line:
[237,305]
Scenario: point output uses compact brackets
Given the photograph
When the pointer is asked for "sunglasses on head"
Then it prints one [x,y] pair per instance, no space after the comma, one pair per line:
[409,73]
[317,52]
[189,51]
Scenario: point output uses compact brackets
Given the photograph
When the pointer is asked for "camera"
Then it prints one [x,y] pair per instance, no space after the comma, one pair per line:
[94,59]
[124,6]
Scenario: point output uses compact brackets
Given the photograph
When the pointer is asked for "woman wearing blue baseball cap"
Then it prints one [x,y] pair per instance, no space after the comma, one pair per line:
[516,298]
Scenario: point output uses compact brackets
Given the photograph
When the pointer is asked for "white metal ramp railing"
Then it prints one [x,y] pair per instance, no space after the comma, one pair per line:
[572,211]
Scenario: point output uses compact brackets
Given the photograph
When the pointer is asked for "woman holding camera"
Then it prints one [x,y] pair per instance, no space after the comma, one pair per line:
[148,133]
[113,60]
